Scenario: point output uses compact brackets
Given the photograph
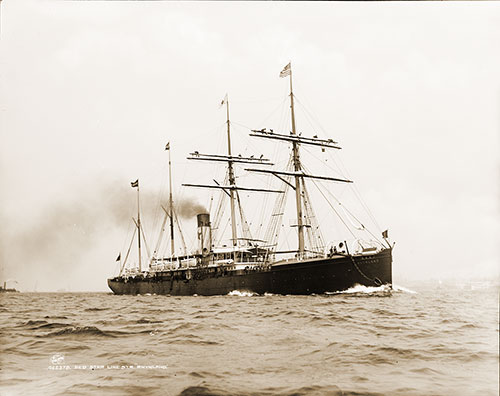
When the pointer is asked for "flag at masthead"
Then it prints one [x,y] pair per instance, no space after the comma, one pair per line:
[286,70]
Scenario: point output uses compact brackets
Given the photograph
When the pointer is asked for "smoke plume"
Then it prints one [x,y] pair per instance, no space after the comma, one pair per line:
[55,242]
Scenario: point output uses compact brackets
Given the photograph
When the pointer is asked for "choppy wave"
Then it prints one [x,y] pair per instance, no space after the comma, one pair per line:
[80,331]
[313,390]
[358,342]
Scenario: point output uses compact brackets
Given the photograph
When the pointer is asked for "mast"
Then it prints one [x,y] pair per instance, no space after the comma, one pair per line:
[170,201]
[139,226]
[232,181]
[298,173]
[138,223]
[231,189]
[297,168]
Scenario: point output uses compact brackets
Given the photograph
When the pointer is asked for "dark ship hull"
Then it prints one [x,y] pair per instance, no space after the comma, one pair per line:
[314,276]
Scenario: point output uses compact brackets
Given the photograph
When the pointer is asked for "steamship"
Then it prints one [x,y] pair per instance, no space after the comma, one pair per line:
[257,265]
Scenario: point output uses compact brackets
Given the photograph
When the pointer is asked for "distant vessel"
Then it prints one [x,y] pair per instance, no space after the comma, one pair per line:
[252,265]
[5,290]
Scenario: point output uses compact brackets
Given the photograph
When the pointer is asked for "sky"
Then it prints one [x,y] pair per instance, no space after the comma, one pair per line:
[91,92]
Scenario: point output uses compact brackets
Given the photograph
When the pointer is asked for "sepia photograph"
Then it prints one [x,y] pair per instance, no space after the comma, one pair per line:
[246,198]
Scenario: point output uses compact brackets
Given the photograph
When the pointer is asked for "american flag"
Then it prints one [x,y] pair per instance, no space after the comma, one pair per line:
[286,70]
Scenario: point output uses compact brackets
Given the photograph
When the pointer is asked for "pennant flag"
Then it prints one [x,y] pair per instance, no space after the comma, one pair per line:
[135,184]
[385,234]
[119,257]
[287,70]
[224,101]
[167,147]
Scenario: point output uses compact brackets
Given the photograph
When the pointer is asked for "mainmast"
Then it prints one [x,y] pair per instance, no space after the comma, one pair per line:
[296,163]
[170,201]
[232,181]
[298,172]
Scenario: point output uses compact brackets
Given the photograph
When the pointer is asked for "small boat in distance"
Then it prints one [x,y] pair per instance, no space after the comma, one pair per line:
[257,265]
[4,289]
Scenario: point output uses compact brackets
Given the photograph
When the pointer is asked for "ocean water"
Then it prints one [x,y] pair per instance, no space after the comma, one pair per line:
[368,341]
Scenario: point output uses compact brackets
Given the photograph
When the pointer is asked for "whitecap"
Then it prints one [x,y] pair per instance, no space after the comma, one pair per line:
[243,293]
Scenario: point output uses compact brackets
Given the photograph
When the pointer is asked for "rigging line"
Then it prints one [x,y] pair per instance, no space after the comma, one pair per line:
[287,241]
[308,117]
[354,217]
[128,251]
[251,146]
[145,242]
[192,238]
[160,237]
[262,212]
[359,226]
[181,233]
[156,216]
[355,189]
[223,232]
[316,118]
[344,208]
[280,105]
[366,207]
[244,224]
[273,228]
[273,231]
[241,125]
[338,215]
[356,192]
[125,241]
[311,215]
[219,209]
[336,171]
[266,118]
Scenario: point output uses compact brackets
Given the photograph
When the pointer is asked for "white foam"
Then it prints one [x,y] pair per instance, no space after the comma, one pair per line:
[356,289]
[402,289]
[367,289]
[241,293]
